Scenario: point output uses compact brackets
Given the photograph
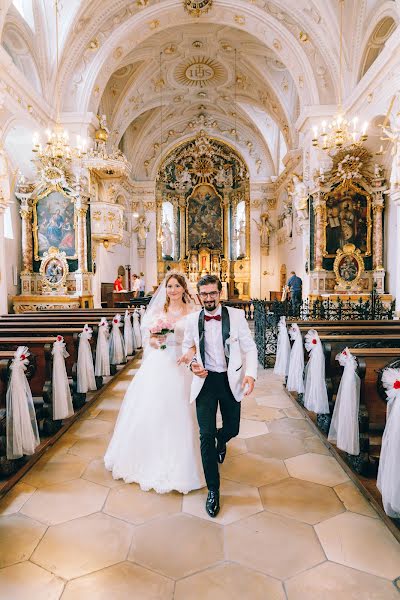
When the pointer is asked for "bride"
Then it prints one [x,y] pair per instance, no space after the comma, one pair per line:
[156,438]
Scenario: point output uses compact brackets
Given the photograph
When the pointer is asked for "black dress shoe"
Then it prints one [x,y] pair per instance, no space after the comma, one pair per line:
[212,503]
[221,453]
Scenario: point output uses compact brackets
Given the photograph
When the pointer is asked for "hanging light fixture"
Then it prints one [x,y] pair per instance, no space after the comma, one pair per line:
[57,148]
[340,131]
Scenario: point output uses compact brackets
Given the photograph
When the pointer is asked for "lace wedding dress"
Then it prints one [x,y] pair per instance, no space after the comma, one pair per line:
[156,438]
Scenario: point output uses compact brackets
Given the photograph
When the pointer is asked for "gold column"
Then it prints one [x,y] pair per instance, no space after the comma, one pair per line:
[182,226]
[225,206]
[319,232]
[377,235]
[26,238]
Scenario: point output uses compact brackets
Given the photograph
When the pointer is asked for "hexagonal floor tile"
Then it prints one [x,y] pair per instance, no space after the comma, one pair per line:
[274,400]
[130,503]
[353,500]
[276,445]
[55,470]
[253,469]
[163,545]
[316,446]
[19,536]
[228,581]
[293,413]
[236,446]
[26,580]
[316,468]
[237,501]
[274,545]
[90,448]
[336,582]
[250,428]
[362,543]
[295,427]
[103,541]
[97,473]
[108,414]
[16,498]
[301,500]
[124,581]
[64,501]
[91,428]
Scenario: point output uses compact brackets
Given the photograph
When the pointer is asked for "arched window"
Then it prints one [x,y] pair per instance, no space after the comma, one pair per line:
[167,231]
[240,229]
[376,43]
[8,228]
[25,9]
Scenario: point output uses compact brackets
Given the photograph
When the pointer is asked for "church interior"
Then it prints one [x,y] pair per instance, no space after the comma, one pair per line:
[257,141]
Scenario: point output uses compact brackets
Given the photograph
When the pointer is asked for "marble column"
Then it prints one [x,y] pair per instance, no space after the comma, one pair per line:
[182,226]
[81,232]
[395,198]
[377,232]
[3,278]
[319,211]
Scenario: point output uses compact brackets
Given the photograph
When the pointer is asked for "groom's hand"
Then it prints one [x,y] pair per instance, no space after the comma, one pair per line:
[249,382]
[199,370]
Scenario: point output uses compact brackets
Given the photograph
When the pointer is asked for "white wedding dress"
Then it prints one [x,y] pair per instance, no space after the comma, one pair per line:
[156,437]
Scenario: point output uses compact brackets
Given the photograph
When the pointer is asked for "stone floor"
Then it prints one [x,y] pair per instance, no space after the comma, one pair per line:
[292,525]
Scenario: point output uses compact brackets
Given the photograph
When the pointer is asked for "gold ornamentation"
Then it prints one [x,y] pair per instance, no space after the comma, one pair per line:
[54,271]
[240,19]
[199,72]
[94,44]
[348,268]
[195,8]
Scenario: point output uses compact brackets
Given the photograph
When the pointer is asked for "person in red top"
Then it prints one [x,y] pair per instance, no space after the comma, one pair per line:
[118,287]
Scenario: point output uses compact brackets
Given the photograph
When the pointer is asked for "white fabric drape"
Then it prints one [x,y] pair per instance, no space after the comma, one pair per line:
[117,346]
[388,482]
[344,429]
[21,425]
[102,366]
[85,369]
[295,381]
[128,334]
[136,329]
[316,395]
[62,400]
[283,349]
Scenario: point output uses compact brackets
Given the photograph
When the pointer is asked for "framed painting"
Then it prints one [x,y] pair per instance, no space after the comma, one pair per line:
[348,267]
[54,225]
[204,224]
[348,221]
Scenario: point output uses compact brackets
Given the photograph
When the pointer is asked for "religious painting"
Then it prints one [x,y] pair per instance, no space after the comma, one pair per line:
[348,221]
[204,218]
[54,225]
[348,267]
[53,270]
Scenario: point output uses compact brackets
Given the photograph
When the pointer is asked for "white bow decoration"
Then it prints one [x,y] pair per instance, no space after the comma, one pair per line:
[22,430]
[344,428]
[316,395]
[117,346]
[85,370]
[62,400]
[136,330]
[295,382]
[102,365]
[388,481]
[128,334]
[283,349]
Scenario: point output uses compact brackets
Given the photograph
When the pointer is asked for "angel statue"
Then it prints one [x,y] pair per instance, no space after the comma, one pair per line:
[265,229]
[165,238]
[393,134]
[103,123]
[300,198]
[142,229]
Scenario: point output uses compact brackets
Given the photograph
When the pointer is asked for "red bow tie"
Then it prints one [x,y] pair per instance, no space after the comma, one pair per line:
[210,317]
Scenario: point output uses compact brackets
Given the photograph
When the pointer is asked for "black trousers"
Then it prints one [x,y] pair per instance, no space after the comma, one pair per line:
[296,302]
[215,390]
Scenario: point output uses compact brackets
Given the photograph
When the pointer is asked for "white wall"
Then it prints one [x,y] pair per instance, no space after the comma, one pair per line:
[13,254]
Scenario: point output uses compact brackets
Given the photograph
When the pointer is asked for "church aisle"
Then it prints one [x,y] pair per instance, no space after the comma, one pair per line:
[292,525]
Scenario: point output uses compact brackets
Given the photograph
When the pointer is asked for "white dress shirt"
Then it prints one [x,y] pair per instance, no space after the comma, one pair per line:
[214,352]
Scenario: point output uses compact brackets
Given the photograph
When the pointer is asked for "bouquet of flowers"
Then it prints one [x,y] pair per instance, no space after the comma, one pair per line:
[161,328]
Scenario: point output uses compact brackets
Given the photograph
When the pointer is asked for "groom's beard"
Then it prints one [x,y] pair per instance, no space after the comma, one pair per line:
[211,305]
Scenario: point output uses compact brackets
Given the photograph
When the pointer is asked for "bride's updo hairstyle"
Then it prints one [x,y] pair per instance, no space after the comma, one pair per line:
[186,297]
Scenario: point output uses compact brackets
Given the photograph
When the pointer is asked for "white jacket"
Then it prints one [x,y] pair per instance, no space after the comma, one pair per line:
[239,345]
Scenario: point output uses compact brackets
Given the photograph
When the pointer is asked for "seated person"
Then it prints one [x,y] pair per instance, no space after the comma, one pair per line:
[118,285]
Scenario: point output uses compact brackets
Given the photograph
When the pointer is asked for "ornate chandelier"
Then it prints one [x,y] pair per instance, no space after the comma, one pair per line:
[57,149]
[340,131]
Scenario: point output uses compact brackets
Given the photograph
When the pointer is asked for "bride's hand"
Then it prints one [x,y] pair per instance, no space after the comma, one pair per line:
[157,340]
[186,358]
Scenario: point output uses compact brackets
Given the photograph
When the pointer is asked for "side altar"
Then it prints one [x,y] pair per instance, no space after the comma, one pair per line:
[346,228]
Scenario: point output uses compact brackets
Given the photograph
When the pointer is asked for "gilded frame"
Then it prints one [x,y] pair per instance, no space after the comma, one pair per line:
[349,251]
[349,189]
[53,254]
[49,190]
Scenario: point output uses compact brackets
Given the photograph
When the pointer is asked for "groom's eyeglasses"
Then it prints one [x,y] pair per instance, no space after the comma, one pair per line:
[204,295]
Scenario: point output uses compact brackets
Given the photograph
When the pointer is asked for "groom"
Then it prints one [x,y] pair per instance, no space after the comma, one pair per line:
[221,336]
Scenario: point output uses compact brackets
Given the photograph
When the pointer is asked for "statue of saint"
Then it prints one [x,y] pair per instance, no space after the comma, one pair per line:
[142,228]
[166,239]
[393,134]
[241,233]
[300,198]
[265,229]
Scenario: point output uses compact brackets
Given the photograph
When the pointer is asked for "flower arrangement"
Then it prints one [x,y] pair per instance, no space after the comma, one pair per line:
[161,328]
